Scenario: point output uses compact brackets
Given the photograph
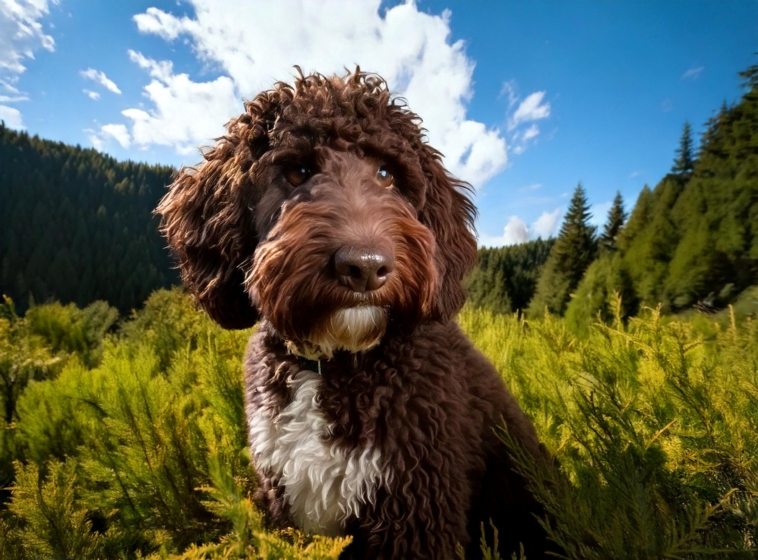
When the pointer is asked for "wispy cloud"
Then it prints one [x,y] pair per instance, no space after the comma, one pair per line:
[666,105]
[693,73]
[13,98]
[119,133]
[509,89]
[101,138]
[517,231]
[530,109]
[100,78]
[532,187]
[20,35]
[547,224]
[531,132]
[599,213]
[92,94]
[634,174]
[11,116]
[521,129]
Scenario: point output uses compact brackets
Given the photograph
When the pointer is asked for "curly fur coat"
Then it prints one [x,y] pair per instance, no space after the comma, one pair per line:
[325,215]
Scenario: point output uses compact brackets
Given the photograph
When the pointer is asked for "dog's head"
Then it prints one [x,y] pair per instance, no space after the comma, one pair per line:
[324,210]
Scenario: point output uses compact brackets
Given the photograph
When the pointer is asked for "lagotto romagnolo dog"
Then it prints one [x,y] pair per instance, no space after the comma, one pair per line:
[324,216]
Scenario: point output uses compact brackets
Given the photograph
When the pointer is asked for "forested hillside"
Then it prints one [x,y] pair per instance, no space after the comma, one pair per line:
[76,225]
[692,241]
[505,278]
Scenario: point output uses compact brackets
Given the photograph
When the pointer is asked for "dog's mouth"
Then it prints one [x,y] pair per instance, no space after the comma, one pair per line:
[352,329]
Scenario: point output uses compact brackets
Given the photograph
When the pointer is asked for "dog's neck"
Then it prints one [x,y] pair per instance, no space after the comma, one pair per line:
[310,365]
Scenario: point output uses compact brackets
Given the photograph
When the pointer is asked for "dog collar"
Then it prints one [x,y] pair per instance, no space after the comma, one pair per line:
[311,365]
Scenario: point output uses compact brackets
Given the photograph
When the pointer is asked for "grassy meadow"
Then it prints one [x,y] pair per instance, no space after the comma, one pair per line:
[126,439]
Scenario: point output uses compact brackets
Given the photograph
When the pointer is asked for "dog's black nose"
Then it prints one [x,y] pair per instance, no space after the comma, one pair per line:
[363,270]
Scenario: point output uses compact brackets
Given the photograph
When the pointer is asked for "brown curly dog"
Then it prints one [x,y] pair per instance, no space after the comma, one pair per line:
[324,214]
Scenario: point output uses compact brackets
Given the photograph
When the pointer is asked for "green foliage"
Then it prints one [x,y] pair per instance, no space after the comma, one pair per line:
[49,522]
[145,452]
[685,159]
[654,423]
[573,252]
[693,240]
[655,426]
[750,76]
[605,293]
[77,226]
[505,278]
[68,329]
[616,218]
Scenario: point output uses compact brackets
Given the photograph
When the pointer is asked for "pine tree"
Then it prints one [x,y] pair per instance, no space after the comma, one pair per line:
[616,218]
[572,254]
[750,76]
[685,160]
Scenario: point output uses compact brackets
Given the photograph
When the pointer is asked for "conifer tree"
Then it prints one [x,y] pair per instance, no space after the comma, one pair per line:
[750,76]
[685,160]
[616,218]
[572,254]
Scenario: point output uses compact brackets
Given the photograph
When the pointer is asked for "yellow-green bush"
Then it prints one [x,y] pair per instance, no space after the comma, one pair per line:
[143,454]
[654,423]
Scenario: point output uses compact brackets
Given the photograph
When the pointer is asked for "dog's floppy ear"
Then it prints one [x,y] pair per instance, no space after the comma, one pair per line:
[449,213]
[207,219]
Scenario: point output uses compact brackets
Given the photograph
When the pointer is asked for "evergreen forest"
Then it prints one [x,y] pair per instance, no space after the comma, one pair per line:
[690,243]
[76,226]
[632,347]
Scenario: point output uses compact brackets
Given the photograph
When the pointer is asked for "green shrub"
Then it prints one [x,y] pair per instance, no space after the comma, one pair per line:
[655,427]
[654,423]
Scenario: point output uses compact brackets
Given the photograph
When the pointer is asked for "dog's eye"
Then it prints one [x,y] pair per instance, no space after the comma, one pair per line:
[384,177]
[297,175]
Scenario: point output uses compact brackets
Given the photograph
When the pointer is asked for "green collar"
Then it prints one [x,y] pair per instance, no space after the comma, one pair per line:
[310,365]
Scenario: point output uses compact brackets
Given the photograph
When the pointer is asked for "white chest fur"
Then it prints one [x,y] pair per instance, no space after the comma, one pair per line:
[323,485]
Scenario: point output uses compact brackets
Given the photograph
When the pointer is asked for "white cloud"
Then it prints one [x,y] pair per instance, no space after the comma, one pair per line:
[634,174]
[516,231]
[95,139]
[11,116]
[186,113]
[531,132]
[693,73]
[100,139]
[509,89]
[666,106]
[92,94]
[532,187]
[547,224]
[118,132]
[411,49]
[21,33]
[599,213]
[522,131]
[12,99]
[530,109]
[100,78]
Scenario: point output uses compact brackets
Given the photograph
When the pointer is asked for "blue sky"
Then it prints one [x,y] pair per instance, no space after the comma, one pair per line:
[525,99]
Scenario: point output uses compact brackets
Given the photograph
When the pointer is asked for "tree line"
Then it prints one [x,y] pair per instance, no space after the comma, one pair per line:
[692,241]
[77,225]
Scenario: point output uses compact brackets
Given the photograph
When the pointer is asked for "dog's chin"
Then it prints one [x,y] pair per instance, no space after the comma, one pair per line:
[352,329]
